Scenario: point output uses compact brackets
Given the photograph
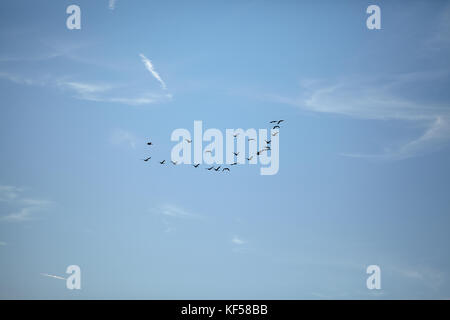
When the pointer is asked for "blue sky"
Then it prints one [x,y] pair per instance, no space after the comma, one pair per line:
[364,152]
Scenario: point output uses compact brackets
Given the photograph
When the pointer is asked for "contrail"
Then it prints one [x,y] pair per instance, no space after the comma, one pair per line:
[148,64]
[52,276]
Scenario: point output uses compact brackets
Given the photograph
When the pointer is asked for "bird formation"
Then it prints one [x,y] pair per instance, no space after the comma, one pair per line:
[259,152]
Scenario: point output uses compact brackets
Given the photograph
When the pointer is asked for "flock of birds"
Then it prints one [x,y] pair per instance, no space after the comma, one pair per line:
[259,152]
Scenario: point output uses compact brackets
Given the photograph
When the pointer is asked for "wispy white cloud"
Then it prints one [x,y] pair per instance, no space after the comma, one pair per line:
[105,93]
[19,79]
[23,208]
[91,91]
[149,66]
[120,136]
[436,136]
[9,193]
[87,88]
[240,245]
[22,214]
[112,4]
[136,101]
[426,275]
[237,240]
[171,210]
[172,215]
[378,99]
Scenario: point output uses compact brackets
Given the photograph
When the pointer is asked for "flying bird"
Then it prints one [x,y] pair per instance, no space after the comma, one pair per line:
[236,153]
[261,151]
[147,159]
[173,162]
[162,162]
[149,143]
[250,158]
[196,165]
[233,164]
[276,127]
[217,169]
[275,133]
[276,121]
[235,135]
[251,139]
[188,141]
[210,168]
[227,169]
[268,141]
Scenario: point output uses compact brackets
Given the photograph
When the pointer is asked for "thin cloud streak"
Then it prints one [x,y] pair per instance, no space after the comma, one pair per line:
[149,66]
[102,93]
[24,207]
[87,88]
[175,211]
[90,91]
[23,80]
[52,276]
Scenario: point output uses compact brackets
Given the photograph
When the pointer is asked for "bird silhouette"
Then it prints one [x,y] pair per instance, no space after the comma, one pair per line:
[188,141]
[210,168]
[275,133]
[196,165]
[276,121]
[233,164]
[217,169]
[236,153]
[275,127]
[173,162]
[268,141]
[162,162]
[235,135]
[147,159]
[251,139]
[250,158]
[149,143]
[260,151]
[227,169]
